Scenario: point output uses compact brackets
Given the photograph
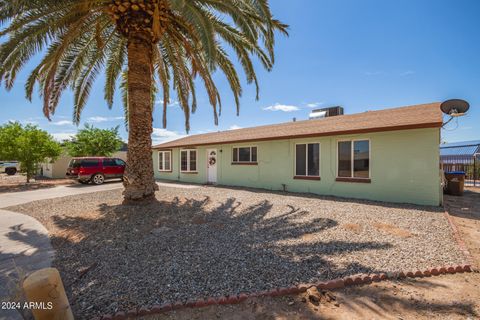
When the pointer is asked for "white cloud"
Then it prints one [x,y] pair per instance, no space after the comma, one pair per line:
[407,73]
[282,107]
[203,131]
[24,121]
[374,73]
[60,136]
[160,135]
[314,104]
[234,127]
[62,123]
[104,119]
[173,103]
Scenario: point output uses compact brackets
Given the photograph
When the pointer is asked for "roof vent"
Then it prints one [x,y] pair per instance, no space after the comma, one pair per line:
[326,112]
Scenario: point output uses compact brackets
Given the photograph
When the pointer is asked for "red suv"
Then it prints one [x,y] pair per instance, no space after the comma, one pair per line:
[95,169]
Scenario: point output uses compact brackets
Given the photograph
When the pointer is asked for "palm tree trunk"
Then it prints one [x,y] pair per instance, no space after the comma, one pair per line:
[139,179]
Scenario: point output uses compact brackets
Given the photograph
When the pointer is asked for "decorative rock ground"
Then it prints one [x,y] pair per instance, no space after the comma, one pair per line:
[212,242]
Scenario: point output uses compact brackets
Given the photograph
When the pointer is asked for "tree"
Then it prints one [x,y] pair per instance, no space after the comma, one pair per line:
[144,43]
[29,145]
[92,141]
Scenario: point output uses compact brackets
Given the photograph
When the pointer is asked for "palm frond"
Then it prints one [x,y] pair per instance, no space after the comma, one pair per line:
[80,39]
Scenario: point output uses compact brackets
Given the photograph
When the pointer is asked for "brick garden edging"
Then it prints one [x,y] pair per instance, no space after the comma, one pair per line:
[322,285]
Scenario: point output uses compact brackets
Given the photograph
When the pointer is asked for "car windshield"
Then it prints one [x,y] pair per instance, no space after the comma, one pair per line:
[75,163]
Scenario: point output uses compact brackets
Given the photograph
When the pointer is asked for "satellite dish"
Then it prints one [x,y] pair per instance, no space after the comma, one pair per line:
[455,107]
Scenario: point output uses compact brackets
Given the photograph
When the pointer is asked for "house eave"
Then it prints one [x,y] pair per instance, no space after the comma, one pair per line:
[169,145]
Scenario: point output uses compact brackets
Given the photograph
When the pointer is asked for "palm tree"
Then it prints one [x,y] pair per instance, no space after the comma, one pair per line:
[140,45]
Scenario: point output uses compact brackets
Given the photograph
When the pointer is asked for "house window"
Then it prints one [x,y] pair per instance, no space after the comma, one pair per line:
[244,155]
[165,160]
[354,159]
[188,160]
[307,160]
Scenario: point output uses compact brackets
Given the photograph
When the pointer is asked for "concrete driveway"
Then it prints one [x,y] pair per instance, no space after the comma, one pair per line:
[24,242]
[24,248]
[16,198]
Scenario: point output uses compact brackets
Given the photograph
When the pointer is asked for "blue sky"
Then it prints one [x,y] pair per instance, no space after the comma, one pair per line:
[362,55]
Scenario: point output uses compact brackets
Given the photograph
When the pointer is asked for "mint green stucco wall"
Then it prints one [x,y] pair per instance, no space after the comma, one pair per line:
[404,167]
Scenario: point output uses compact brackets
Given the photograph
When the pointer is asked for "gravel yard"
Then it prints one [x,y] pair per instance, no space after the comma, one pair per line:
[6,179]
[213,241]
[18,182]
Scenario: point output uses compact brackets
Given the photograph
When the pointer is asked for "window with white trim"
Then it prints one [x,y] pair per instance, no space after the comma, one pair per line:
[188,160]
[354,159]
[165,160]
[307,159]
[244,155]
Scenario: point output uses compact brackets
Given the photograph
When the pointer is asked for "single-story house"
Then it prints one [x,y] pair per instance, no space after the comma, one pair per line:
[387,155]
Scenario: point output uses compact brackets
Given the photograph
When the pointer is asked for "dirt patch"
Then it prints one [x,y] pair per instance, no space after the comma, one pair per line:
[353,227]
[18,183]
[394,231]
[453,297]
[466,214]
[199,220]
[309,237]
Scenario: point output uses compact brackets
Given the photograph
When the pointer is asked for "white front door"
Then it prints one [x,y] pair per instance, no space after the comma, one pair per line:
[211,165]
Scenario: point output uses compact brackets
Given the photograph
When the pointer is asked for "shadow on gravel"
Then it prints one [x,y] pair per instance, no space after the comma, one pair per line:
[131,255]
[409,206]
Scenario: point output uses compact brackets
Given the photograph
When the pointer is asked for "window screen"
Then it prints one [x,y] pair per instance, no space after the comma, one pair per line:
[188,160]
[167,161]
[313,159]
[164,160]
[361,164]
[254,154]
[160,161]
[184,161]
[354,159]
[344,159]
[244,154]
[193,160]
[307,159]
[301,160]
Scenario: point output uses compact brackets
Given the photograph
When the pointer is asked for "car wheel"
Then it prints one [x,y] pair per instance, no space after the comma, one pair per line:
[10,171]
[98,178]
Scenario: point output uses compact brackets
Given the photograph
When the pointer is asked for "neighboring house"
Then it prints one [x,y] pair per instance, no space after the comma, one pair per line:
[388,155]
[58,168]
[462,156]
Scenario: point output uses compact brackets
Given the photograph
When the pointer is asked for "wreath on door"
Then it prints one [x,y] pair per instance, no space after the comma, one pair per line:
[212,161]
